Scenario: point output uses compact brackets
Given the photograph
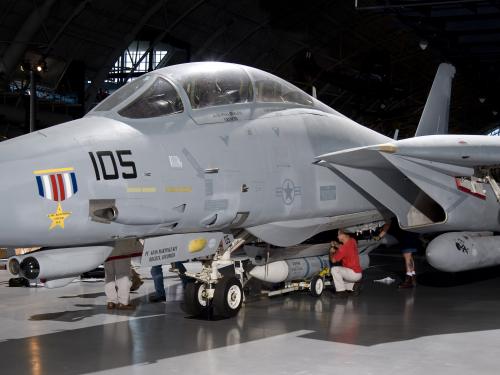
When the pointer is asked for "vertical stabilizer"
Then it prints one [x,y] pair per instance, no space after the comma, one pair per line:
[434,118]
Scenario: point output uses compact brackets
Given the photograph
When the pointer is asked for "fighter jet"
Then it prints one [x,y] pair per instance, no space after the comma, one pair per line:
[194,159]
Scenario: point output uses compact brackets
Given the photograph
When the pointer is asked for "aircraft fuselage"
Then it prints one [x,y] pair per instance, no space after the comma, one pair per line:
[173,175]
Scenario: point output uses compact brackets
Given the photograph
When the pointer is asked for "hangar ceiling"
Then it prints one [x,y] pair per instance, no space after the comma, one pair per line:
[365,57]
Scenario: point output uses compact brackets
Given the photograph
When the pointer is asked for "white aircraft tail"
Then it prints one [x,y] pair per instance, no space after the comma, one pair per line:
[434,118]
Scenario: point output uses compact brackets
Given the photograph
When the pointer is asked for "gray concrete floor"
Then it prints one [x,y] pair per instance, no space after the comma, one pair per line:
[448,325]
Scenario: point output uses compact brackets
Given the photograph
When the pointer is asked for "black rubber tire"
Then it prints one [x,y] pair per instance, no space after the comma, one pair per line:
[317,286]
[192,303]
[228,297]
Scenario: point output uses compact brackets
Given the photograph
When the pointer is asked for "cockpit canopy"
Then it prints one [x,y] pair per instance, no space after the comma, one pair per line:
[203,85]
[217,87]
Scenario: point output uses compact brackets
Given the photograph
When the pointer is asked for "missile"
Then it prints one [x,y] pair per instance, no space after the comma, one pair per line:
[461,251]
[277,259]
[290,269]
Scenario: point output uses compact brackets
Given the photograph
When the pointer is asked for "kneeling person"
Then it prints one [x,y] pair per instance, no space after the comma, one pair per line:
[349,272]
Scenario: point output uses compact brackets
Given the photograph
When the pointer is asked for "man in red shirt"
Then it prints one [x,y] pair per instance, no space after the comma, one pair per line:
[349,272]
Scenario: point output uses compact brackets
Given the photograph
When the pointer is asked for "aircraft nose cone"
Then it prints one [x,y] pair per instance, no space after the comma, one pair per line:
[35,175]
[45,178]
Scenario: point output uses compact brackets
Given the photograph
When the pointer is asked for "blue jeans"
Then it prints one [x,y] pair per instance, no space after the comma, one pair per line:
[157,275]
[182,271]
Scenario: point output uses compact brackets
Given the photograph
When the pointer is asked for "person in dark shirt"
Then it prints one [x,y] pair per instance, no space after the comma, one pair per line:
[349,272]
[409,242]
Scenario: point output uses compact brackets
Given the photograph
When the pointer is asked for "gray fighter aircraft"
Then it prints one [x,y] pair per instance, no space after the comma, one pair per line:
[191,156]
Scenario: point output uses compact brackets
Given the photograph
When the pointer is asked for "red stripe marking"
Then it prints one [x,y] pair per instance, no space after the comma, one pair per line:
[53,183]
[468,191]
[61,186]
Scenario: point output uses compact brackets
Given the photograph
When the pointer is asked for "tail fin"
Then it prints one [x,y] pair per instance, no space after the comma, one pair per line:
[434,118]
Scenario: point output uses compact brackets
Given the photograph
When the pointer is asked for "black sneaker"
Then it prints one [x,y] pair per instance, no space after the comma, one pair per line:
[155,298]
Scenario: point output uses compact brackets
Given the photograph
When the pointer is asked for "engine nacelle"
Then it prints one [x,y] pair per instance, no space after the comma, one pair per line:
[462,251]
[55,264]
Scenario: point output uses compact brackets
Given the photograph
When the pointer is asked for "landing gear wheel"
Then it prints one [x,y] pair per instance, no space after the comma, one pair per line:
[228,297]
[317,286]
[195,299]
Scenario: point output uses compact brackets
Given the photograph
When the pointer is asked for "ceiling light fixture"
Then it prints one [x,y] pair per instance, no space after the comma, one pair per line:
[423,44]
[41,66]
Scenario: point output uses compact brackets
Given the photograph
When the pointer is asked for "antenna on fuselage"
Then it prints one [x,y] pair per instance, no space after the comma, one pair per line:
[314,92]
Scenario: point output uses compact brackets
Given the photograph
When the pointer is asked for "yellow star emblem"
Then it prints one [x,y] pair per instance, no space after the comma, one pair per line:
[58,217]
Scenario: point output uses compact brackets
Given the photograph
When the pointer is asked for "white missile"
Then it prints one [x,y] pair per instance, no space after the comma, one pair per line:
[290,269]
[260,255]
[461,251]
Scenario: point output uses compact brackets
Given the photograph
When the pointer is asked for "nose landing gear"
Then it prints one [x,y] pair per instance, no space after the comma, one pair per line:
[218,288]
[196,301]
[228,297]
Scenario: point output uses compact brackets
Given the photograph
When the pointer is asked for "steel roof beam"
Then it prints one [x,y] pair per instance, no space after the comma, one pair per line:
[162,35]
[75,13]
[15,51]
[113,56]
[416,4]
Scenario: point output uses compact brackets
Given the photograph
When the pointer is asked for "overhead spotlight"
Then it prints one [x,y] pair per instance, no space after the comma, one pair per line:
[494,112]
[41,66]
[423,44]
[382,106]
[482,99]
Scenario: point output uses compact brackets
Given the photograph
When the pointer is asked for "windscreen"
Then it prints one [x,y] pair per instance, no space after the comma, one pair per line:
[123,93]
[160,99]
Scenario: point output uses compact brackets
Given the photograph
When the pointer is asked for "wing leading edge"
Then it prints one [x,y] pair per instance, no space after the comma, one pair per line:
[418,178]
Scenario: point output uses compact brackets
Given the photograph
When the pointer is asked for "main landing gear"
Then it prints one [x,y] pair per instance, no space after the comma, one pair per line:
[217,290]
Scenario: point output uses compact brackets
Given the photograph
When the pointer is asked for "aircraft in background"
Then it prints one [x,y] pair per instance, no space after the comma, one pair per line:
[194,155]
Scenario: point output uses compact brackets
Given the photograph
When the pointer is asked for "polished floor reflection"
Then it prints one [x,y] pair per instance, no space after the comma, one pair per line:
[448,324]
